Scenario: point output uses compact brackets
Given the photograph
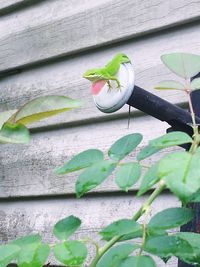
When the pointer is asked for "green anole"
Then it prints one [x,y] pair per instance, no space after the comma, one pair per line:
[108,72]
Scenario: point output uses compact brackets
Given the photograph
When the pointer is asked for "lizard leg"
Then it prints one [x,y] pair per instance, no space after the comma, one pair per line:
[113,78]
[109,85]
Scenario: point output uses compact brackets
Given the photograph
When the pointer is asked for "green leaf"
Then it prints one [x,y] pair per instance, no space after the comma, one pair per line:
[171,218]
[29,245]
[71,253]
[93,176]
[149,180]
[169,85]
[4,116]
[131,236]
[171,139]
[26,254]
[33,255]
[138,261]
[194,240]
[14,133]
[121,227]
[66,227]
[128,175]
[195,84]
[116,254]
[181,173]
[27,240]
[41,255]
[183,64]
[7,254]
[152,232]
[147,152]
[167,246]
[81,161]
[195,197]
[125,145]
[44,107]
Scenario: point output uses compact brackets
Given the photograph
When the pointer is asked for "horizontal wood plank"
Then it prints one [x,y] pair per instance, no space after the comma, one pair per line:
[20,218]
[110,22]
[64,77]
[28,170]
[42,12]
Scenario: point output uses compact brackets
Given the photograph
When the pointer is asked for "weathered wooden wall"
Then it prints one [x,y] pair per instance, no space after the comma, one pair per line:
[45,46]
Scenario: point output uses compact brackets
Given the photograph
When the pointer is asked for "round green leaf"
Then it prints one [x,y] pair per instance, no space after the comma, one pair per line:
[195,84]
[195,197]
[33,255]
[66,227]
[26,254]
[27,240]
[128,175]
[44,107]
[194,240]
[131,236]
[71,253]
[152,232]
[183,64]
[169,85]
[81,161]
[14,133]
[171,218]
[121,227]
[116,254]
[41,255]
[125,145]
[167,246]
[171,139]
[93,176]
[147,152]
[181,173]
[8,253]
[150,179]
[138,261]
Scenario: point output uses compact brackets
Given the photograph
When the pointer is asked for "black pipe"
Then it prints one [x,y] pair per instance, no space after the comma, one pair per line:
[161,109]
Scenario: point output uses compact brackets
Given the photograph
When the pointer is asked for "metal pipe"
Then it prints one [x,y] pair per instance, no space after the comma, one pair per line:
[161,109]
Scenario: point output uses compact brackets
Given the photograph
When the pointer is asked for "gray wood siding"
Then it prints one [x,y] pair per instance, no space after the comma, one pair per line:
[30,172]
[45,46]
[109,22]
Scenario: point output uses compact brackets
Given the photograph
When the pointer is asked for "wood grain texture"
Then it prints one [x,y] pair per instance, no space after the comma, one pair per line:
[65,77]
[110,22]
[28,170]
[20,218]
[42,12]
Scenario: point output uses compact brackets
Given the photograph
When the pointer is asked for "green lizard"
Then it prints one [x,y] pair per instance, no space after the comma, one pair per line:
[108,72]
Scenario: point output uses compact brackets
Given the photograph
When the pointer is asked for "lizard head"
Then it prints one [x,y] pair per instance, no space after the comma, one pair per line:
[93,75]
[122,58]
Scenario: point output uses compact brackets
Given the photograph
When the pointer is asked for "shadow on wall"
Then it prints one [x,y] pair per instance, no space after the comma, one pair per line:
[16,5]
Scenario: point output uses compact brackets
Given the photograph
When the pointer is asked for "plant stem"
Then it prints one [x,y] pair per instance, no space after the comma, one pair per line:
[194,125]
[90,240]
[138,214]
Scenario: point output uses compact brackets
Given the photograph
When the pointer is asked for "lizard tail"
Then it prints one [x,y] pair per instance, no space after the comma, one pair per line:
[129,116]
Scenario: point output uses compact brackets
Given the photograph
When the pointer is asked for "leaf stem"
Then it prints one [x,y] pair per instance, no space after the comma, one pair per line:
[194,125]
[90,240]
[137,215]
